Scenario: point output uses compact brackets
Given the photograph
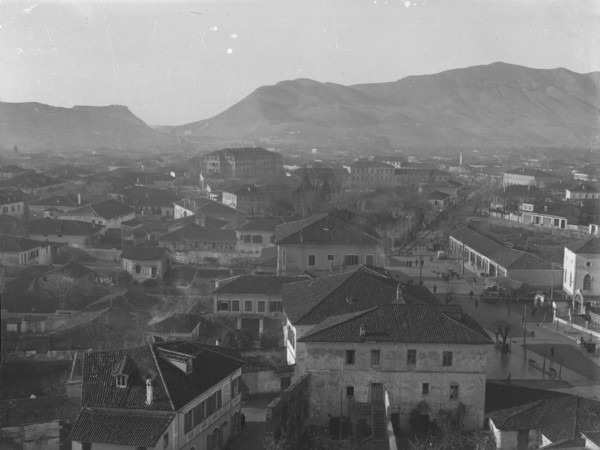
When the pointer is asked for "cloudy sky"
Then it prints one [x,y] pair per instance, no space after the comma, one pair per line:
[174,62]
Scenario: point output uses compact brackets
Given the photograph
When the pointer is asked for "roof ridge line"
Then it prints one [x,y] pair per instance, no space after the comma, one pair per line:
[327,294]
[160,374]
[355,315]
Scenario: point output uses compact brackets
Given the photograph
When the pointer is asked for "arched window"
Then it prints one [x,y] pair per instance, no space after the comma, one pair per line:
[587,282]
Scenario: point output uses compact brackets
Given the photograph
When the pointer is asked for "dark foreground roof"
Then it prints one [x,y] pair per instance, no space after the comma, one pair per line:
[398,322]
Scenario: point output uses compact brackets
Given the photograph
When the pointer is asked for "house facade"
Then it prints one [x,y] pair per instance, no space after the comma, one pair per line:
[582,272]
[256,234]
[107,214]
[324,244]
[369,174]
[434,362]
[169,395]
[20,251]
[243,163]
[12,202]
[194,244]
[526,176]
[146,263]
[73,232]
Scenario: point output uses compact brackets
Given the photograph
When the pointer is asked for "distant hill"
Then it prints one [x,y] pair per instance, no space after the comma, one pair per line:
[497,105]
[35,126]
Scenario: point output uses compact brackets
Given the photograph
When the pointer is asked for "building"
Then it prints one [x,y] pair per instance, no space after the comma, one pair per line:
[197,244]
[581,281]
[484,257]
[258,233]
[438,200]
[8,172]
[147,202]
[247,198]
[52,206]
[422,359]
[146,263]
[557,421]
[323,244]
[35,184]
[20,251]
[168,395]
[369,174]
[12,202]
[582,191]
[107,214]
[308,303]
[408,176]
[73,232]
[208,211]
[243,163]
[180,326]
[525,176]
[251,299]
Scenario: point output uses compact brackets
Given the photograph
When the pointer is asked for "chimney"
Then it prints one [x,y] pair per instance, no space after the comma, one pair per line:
[149,391]
[79,198]
[545,208]
[398,294]
[362,332]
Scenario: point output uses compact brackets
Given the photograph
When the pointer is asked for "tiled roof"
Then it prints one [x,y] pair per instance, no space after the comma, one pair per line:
[561,419]
[530,172]
[194,232]
[72,269]
[584,188]
[133,429]
[108,209]
[178,323]
[14,244]
[144,253]
[312,301]
[57,200]
[588,246]
[505,257]
[255,284]
[172,387]
[322,229]
[11,196]
[437,195]
[30,181]
[397,322]
[268,257]
[262,223]
[129,301]
[48,225]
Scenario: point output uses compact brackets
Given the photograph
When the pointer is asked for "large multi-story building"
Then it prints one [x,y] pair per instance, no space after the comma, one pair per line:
[525,176]
[253,162]
[422,359]
[366,173]
[168,395]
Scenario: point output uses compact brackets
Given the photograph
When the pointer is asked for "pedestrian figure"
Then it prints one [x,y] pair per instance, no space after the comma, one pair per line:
[416,262]
[434,288]
[476,303]
[471,295]
[508,378]
[243,421]
[497,332]
[532,334]
[552,351]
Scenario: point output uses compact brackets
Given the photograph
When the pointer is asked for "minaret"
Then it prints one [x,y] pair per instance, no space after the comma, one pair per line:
[460,159]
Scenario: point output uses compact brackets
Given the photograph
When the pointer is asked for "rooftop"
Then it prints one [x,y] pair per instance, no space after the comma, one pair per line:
[144,253]
[255,284]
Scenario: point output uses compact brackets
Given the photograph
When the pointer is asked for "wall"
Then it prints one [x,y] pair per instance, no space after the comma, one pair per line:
[505,440]
[537,278]
[330,376]
[254,298]
[264,381]
[34,436]
[129,265]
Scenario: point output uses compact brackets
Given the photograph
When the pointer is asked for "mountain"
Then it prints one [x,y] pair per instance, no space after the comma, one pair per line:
[35,126]
[494,106]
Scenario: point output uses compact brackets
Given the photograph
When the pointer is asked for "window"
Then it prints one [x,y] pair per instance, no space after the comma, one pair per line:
[196,245]
[350,355]
[121,381]
[223,305]
[154,271]
[446,359]
[166,440]
[188,366]
[425,389]
[188,422]
[276,306]
[248,305]
[454,391]
[375,357]
[369,260]
[258,239]
[330,260]
[138,268]
[350,391]
[235,305]
[247,238]
[411,357]
[260,306]
[312,260]
[350,260]
[587,282]
[86,446]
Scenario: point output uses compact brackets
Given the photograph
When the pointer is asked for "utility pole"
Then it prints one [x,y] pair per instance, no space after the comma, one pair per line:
[420,267]
[525,331]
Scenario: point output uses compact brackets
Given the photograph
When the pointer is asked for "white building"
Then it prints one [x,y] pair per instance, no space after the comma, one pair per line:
[582,272]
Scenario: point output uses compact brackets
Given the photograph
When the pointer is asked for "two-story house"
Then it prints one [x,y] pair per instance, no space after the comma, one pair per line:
[257,234]
[35,184]
[12,202]
[168,395]
[147,202]
[194,243]
[146,263]
[251,299]
[423,359]
[582,272]
[582,191]
[73,232]
[323,244]
[20,251]
[107,214]
[247,198]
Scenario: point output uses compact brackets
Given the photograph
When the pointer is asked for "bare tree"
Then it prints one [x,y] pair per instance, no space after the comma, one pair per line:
[503,327]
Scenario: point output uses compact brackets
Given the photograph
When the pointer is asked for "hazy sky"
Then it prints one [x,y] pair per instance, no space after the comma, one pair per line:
[176,62]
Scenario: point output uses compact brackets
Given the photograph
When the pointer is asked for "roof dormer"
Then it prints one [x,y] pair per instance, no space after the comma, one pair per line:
[121,372]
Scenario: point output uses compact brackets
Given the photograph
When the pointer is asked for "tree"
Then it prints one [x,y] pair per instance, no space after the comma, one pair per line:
[503,327]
